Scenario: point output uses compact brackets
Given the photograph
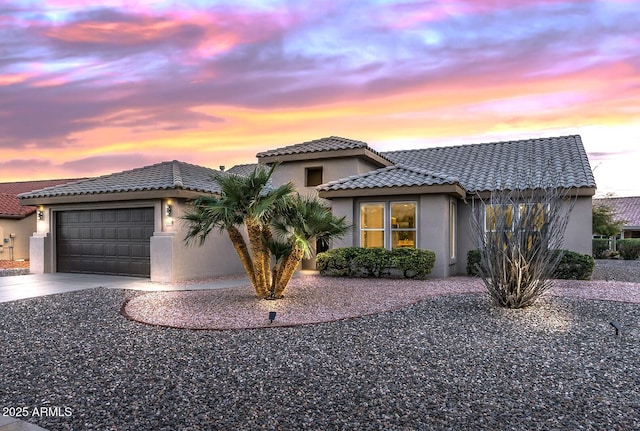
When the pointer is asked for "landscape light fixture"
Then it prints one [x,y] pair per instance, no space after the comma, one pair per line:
[167,211]
[40,215]
[272,317]
[617,326]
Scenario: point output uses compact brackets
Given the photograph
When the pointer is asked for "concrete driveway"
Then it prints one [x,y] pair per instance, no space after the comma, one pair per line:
[32,285]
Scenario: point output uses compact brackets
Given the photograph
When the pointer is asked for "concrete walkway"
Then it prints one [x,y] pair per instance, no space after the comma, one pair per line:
[33,285]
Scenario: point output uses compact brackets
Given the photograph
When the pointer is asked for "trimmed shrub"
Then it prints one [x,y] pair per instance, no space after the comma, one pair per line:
[629,248]
[473,262]
[574,266]
[600,248]
[376,262]
[413,263]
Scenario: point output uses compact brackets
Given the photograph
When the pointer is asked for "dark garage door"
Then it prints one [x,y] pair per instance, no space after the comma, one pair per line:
[114,241]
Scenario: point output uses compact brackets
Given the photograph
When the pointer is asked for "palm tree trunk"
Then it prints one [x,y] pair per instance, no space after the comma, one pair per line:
[288,269]
[243,253]
[257,249]
[266,235]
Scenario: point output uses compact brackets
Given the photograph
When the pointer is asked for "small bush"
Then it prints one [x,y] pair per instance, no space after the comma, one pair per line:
[375,262]
[629,248]
[600,248]
[574,266]
[473,262]
[413,263]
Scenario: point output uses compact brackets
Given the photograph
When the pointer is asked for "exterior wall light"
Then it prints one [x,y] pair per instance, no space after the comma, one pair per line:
[40,215]
[167,210]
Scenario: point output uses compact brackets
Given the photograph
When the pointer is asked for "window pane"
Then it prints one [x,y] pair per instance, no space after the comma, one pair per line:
[403,238]
[314,177]
[372,238]
[498,215]
[452,230]
[403,215]
[372,216]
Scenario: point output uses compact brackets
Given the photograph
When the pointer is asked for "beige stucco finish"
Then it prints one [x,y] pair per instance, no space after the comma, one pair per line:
[21,229]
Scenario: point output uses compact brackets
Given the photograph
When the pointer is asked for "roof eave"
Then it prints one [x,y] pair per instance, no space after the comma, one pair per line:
[114,196]
[572,192]
[449,189]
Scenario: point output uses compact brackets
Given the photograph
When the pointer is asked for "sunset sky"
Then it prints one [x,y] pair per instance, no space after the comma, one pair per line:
[88,90]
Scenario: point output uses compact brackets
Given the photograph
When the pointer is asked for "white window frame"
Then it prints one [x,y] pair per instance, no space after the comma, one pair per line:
[453,231]
[384,222]
[388,229]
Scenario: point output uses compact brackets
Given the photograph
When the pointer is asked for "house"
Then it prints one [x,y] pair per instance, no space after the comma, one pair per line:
[128,222]
[18,222]
[627,209]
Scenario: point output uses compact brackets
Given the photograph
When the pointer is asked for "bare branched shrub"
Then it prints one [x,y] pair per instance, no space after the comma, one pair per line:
[517,232]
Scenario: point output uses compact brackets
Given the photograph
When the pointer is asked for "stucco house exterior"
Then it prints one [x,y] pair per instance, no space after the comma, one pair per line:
[17,222]
[627,209]
[128,223]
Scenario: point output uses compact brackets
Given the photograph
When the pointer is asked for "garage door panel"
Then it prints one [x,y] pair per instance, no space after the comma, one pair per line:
[113,242]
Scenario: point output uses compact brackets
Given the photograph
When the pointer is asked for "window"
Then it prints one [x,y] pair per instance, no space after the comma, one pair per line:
[498,217]
[372,225]
[452,229]
[403,224]
[313,176]
[397,229]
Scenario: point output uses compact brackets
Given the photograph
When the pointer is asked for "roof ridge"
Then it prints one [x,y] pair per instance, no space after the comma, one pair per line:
[177,175]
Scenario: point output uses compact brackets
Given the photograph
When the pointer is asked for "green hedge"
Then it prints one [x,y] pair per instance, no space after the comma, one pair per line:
[376,262]
[600,248]
[629,248]
[473,262]
[572,266]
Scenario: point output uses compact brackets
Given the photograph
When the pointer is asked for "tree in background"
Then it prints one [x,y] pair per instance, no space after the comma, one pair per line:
[605,222]
[280,226]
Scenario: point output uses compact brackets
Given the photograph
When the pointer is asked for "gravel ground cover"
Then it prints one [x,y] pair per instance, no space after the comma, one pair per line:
[447,362]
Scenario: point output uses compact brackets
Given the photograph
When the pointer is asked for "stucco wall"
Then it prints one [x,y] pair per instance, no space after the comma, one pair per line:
[332,169]
[173,260]
[22,229]
[433,226]
[578,234]
[465,238]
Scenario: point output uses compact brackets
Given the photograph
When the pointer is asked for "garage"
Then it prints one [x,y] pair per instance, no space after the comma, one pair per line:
[105,241]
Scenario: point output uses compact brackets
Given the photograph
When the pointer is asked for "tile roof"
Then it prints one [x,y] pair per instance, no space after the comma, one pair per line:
[509,164]
[161,176]
[9,202]
[243,170]
[392,176]
[627,208]
[332,143]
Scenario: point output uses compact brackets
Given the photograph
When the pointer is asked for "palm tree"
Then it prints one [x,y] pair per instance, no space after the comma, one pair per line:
[302,221]
[264,210]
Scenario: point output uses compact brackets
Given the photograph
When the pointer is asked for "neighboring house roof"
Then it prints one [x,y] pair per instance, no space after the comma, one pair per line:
[392,176]
[243,170]
[626,208]
[171,176]
[506,165]
[333,146]
[10,204]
